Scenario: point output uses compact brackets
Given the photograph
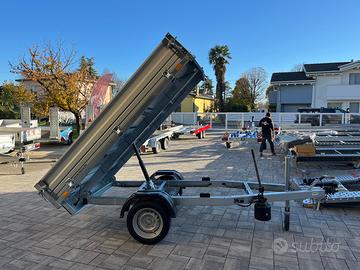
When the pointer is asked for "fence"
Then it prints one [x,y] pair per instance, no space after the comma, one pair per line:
[239,120]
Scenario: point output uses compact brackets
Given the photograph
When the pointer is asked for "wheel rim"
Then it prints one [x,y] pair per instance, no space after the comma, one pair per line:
[147,223]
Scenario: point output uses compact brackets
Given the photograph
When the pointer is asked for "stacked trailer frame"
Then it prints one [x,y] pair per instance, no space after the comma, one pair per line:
[342,154]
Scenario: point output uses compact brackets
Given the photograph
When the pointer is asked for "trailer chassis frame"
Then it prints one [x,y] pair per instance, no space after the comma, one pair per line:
[159,189]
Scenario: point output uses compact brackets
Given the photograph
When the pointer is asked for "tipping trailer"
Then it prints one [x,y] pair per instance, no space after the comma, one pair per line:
[87,170]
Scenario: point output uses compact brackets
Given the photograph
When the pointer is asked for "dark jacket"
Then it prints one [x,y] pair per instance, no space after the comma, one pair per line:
[266,126]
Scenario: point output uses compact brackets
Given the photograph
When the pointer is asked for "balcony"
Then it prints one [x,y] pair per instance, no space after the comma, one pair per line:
[343,92]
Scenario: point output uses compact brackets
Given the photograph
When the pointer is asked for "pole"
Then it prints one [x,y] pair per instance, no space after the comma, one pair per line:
[256,168]
[287,188]
[149,184]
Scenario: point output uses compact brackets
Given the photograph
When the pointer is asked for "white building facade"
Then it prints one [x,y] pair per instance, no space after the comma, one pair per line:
[332,85]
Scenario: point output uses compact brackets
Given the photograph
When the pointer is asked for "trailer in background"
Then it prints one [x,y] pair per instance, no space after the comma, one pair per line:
[56,133]
[197,130]
[160,140]
[26,135]
[7,143]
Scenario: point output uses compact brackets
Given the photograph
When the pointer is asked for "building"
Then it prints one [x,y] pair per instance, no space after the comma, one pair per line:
[331,85]
[196,102]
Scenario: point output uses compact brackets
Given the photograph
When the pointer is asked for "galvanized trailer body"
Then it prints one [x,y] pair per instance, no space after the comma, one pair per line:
[87,169]
[149,96]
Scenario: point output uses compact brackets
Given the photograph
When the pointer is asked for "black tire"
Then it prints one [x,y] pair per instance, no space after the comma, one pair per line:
[22,170]
[157,148]
[286,222]
[153,214]
[203,134]
[165,143]
[228,145]
[199,135]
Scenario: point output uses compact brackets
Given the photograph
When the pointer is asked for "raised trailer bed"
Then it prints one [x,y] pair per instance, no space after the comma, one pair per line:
[88,168]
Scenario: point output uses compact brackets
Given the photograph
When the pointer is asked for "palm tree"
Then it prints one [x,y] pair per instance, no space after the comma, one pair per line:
[218,58]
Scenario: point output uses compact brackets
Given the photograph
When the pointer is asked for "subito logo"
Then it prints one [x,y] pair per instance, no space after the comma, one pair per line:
[280,246]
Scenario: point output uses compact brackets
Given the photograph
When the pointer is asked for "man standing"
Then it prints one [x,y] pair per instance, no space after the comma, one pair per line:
[267,130]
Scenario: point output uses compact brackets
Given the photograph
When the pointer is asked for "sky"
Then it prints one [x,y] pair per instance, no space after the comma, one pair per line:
[119,35]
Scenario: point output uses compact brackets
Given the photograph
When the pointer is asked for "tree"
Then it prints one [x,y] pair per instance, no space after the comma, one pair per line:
[51,67]
[228,90]
[7,102]
[297,68]
[12,97]
[257,81]
[88,65]
[233,105]
[269,89]
[218,58]
[241,91]
[119,83]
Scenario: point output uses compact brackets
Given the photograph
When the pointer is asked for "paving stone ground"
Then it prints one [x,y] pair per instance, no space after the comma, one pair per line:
[34,235]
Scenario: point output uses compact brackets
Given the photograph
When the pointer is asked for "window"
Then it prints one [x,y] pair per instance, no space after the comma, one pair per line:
[354,107]
[354,78]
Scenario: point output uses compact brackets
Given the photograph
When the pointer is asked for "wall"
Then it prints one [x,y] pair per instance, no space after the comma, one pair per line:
[273,97]
[196,104]
[203,104]
[291,97]
[187,104]
[336,88]
[321,85]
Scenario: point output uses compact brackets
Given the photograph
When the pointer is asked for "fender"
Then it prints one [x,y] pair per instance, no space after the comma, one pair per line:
[162,197]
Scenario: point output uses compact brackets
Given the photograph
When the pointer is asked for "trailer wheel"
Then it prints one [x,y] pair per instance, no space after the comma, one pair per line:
[165,143]
[286,222]
[148,222]
[157,148]
[228,145]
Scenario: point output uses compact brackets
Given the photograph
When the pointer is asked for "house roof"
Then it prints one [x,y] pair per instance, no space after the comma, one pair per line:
[324,67]
[201,96]
[290,77]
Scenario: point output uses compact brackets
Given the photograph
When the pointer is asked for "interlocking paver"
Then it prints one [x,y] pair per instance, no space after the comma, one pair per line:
[34,235]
